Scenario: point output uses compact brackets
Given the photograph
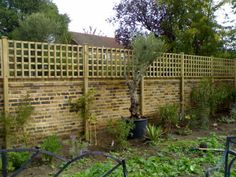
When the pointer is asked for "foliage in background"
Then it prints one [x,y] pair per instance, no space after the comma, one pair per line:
[153,134]
[169,116]
[51,144]
[119,130]
[146,49]
[188,26]
[24,20]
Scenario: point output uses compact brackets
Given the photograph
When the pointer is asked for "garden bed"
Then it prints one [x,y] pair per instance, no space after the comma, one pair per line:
[172,157]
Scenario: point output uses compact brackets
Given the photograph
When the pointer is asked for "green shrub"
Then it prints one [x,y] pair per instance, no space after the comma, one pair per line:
[15,160]
[77,146]
[222,94]
[169,116]
[154,133]
[229,119]
[51,144]
[204,101]
[120,130]
[207,98]
[15,123]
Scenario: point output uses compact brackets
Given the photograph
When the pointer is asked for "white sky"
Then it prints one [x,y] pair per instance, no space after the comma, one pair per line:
[85,13]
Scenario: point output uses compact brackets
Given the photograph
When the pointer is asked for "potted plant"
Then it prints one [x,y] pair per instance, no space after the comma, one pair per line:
[146,49]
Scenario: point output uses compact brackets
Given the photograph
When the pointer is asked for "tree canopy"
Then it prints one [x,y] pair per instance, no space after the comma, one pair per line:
[33,20]
[186,25]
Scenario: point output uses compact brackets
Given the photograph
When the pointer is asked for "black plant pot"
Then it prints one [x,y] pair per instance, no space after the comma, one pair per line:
[139,129]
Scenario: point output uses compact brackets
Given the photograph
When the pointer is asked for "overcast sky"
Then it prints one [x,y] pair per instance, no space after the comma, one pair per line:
[85,13]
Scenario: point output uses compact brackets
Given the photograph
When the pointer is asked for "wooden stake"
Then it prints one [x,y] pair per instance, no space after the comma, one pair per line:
[182,83]
[86,70]
[5,86]
[142,96]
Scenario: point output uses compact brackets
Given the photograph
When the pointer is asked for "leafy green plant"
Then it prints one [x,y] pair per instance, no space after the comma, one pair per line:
[120,129]
[174,158]
[202,98]
[154,134]
[15,160]
[207,98]
[229,119]
[14,123]
[222,94]
[169,116]
[233,113]
[51,144]
[77,146]
[83,104]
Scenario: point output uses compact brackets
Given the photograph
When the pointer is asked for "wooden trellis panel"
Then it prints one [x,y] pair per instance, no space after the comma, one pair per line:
[197,66]
[168,65]
[223,67]
[43,60]
[108,62]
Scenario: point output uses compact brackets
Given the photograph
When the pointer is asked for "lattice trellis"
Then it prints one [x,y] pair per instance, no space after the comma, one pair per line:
[223,67]
[197,66]
[108,62]
[168,65]
[43,60]
[1,58]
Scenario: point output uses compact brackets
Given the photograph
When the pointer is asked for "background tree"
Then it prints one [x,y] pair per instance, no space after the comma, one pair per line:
[228,32]
[18,17]
[186,26]
[93,31]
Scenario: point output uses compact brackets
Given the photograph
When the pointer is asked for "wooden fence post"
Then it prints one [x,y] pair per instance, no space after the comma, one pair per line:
[182,83]
[5,74]
[86,69]
[142,96]
[212,69]
[235,73]
[86,73]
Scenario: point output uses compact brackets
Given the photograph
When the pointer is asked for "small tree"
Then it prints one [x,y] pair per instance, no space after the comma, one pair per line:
[146,48]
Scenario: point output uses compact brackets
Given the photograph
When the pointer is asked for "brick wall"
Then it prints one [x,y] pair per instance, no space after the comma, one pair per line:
[160,92]
[52,113]
[50,99]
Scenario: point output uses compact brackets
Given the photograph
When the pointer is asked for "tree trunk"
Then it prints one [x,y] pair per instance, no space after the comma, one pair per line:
[134,107]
